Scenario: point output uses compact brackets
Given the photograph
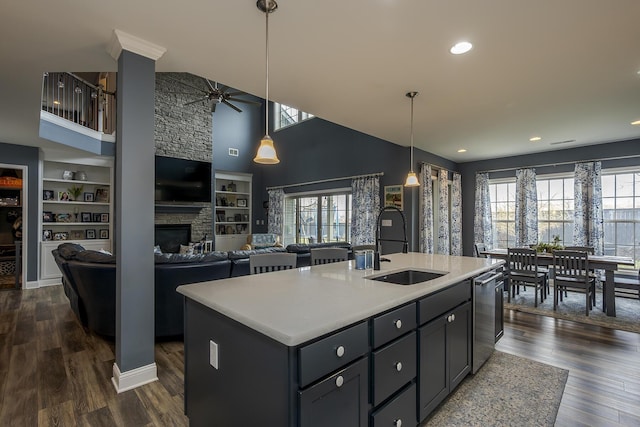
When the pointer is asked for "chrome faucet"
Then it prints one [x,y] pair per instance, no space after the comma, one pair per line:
[405,242]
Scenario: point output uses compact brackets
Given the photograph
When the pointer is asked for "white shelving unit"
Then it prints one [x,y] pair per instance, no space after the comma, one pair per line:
[85,219]
[232,210]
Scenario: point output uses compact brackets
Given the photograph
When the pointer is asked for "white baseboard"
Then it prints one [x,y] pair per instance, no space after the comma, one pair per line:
[38,284]
[128,380]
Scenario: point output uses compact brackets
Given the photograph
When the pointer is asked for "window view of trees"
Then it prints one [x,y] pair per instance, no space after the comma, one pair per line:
[317,218]
[620,205]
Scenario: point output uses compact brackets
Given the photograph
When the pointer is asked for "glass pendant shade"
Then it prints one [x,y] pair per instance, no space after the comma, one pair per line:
[412,180]
[266,152]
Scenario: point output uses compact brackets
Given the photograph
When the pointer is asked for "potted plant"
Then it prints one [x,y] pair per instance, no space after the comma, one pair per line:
[75,192]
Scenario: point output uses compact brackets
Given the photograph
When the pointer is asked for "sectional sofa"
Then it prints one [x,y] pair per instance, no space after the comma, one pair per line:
[89,281]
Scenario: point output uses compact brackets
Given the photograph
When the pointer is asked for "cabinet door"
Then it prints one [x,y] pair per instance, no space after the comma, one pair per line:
[433,375]
[337,401]
[459,344]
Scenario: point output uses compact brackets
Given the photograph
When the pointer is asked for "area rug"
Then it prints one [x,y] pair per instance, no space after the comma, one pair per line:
[573,308]
[507,391]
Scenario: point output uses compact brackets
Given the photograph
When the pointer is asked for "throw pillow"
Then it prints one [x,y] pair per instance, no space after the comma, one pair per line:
[186,250]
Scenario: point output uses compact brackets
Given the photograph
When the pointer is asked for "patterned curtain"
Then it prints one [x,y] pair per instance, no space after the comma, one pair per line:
[426,209]
[365,205]
[456,215]
[526,208]
[443,212]
[275,220]
[587,215]
[482,221]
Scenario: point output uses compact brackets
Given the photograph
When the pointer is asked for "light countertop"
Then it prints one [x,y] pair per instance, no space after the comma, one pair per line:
[295,306]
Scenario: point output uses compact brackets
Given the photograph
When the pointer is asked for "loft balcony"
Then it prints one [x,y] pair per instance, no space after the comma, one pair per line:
[78,113]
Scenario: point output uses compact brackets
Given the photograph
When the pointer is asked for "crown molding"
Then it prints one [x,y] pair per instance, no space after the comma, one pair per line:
[122,41]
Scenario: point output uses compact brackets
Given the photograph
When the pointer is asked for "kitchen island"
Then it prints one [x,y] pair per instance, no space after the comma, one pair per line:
[327,345]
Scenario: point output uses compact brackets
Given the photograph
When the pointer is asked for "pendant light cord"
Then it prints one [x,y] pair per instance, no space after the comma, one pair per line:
[411,167]
[266,116]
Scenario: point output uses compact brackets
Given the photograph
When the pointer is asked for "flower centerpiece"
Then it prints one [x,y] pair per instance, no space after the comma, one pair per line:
[549,247]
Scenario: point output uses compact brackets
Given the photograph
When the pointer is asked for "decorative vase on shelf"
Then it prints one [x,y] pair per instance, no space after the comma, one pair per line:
[68,175]
[81,176]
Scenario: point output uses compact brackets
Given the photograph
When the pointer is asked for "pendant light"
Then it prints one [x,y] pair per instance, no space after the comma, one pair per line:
[267,152]
[412,179]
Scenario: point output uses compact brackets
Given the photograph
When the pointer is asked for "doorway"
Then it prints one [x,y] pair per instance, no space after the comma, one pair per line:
[12,196]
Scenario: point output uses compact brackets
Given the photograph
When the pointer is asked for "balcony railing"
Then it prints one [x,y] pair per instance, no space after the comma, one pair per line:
[72,98]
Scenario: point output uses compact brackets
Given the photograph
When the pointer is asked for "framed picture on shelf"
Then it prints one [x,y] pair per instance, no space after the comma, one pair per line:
[47,235]
[47,216]
[245,217]
[63,196]
[95,217]
[220,217]
[90,233]
[102,195]
[61,235]
[48,195]
[63,217]
[229,219]
[85,217]
[237,217]
[242,203]
[104,217]
[104,234]
[76,234]
[88,197]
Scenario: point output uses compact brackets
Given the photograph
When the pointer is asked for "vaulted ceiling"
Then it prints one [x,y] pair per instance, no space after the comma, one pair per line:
[566,71]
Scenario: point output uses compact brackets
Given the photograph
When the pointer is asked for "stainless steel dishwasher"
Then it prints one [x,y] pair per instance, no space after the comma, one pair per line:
[484,305]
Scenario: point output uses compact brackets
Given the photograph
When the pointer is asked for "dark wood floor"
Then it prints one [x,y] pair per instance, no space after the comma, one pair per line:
[52,372]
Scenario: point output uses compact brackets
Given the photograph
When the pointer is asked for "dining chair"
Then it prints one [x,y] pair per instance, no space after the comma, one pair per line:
[328,255]
[523,270]
[265,263]
[478,248]
[627,284]
[571,273]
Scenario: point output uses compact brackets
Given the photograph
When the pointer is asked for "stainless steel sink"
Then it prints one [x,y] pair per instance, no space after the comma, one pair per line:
[408,277]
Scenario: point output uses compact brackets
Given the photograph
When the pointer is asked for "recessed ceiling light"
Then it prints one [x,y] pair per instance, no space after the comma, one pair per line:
[636,123]
[460,48]
[535,138]
[462,150]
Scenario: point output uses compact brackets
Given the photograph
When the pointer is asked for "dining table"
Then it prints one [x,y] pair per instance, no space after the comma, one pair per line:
[608,263]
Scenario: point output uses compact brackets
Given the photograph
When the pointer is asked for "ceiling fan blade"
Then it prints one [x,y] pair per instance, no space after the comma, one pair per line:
[239,92]
[210,85]
[199,89]
[213,107]
[231,105]
[196,101]
[244,101]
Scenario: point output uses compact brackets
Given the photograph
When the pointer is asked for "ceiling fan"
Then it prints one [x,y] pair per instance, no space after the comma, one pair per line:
[217,95]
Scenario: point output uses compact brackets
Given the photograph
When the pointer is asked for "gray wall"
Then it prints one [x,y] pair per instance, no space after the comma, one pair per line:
[556,160]
[29,157]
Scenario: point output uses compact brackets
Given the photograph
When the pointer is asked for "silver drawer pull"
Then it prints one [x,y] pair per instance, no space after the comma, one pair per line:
[340,351]
[399,366]
[397,423]
[339,381]
[398,324]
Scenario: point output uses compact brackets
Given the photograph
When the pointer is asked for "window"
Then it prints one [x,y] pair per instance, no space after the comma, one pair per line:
[503,213]
[555,209]
[621,213]
[316,218]
[287,116]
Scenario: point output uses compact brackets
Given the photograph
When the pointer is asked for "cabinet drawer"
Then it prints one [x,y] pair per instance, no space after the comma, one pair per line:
[337,401]
[394,324]
[330,353]
[399,411]
[434,305]
[393,367]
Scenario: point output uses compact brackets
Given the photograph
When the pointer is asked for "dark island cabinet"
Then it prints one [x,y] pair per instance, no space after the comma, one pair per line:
[444,348]
[339,400]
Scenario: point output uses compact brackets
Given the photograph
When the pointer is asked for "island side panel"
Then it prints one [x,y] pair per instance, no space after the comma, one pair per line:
[252,385]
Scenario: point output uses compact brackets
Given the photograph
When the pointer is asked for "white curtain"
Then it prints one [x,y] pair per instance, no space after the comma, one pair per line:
[526,208]
[275,220]
[443,212]
[456,215]
[587,214]
[426,209]
[365,205]
[482,221]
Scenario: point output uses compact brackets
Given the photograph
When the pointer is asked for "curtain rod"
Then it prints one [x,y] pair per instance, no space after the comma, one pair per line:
[320,181]
[560,163]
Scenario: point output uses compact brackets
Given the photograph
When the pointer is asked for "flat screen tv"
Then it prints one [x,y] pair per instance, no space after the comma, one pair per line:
[180,180]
